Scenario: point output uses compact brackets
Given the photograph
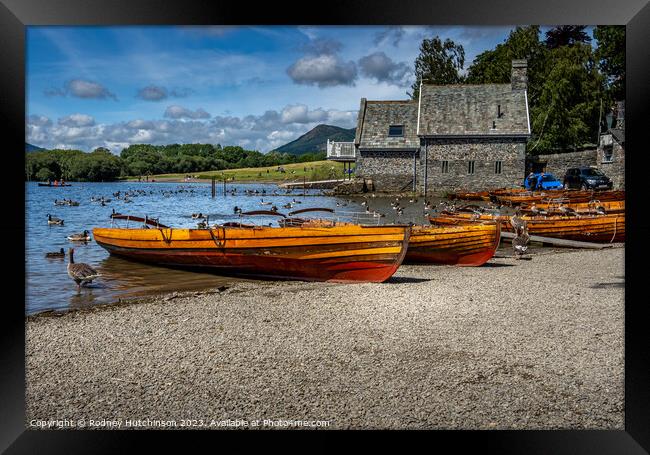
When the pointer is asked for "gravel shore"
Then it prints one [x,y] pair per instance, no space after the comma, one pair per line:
[515,344]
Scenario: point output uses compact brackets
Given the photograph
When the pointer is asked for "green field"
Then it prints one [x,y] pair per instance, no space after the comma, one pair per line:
[295,172]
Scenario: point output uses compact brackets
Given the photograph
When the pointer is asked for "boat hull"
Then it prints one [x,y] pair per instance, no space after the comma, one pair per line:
[586,228]
[465,245]
[341,254]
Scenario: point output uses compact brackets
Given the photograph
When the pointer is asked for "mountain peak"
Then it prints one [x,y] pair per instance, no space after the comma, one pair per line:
[315,140]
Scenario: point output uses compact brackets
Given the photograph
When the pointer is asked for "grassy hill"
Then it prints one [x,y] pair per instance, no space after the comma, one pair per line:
[316,139]
[294,172]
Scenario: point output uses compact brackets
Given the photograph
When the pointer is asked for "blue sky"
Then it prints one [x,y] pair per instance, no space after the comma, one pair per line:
[258,87]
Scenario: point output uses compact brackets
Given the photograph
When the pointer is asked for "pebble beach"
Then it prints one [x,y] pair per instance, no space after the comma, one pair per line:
[514,344]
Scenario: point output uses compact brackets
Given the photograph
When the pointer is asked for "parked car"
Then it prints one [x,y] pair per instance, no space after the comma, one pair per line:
[548,181]
[587,178]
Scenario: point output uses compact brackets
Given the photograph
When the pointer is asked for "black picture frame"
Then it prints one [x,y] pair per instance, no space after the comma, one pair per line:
[635,14]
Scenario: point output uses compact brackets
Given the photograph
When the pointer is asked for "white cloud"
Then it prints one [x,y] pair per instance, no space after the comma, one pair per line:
[179,112]
[77,120]
[324,70]
[260,132]
[382,68]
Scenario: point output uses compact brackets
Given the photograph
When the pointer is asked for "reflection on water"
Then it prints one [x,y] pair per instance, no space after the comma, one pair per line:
[48,286]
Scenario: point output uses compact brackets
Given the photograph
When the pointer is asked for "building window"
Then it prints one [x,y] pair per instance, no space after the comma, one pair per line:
[396,130]
[470,167]
[608,154]
[497,167]
[445,167]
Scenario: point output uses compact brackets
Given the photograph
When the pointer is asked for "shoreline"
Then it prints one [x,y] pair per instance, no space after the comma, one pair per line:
[510,345]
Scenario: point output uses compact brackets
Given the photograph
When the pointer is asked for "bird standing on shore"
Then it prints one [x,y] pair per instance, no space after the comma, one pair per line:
[81,273]
[520,242]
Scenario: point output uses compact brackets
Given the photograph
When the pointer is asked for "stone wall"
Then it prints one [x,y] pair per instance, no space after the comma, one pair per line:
[614,167]
[558,163]
[389,170]
[484,152]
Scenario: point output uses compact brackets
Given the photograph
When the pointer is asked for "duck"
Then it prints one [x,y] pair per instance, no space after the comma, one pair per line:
[54,220]
[196,216]
[262,202]
[83,237]
[81,273]
[56,254]
[237,210]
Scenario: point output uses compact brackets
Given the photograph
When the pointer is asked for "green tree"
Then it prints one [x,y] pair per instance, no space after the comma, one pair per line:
[438,63]
[611,57]
[44,174]
[495,66]
[566,35]
[565,114]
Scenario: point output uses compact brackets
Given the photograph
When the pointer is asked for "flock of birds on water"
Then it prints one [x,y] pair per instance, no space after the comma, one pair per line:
[83,274]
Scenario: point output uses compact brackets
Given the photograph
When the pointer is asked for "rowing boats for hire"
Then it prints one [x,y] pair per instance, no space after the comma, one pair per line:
[344,253]
[586,228]
[593,206]
[466,245]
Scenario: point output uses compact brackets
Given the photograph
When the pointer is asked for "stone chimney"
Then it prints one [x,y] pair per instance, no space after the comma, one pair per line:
[620,115]
[519,75]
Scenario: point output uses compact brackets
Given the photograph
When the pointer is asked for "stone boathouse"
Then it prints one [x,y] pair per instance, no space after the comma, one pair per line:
[452,137]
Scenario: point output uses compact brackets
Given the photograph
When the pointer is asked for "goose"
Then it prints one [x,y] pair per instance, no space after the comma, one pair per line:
[203,224]
[83,237]
[56,254]
[520,241]
[79,272]
[262,202]
[54,220]
[516,222]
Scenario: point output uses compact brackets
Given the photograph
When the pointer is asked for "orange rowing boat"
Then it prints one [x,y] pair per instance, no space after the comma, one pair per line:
[591,207]
[465,245]
[317,253]
[586,228]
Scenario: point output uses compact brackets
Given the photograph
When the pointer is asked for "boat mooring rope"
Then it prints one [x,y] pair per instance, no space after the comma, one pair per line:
[167,240]
[219,243]
[615,223]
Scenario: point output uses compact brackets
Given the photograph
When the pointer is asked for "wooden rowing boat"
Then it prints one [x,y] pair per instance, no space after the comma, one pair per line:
[586,228]
[471,195]
[554,196]
[318,253]
[590,207]
[465,245]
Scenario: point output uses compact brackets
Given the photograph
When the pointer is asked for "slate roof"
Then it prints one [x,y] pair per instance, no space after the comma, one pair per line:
[619,134]
[376,116]
[470,110]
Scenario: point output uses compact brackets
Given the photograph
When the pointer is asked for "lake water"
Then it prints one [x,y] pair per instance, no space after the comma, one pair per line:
[48,286]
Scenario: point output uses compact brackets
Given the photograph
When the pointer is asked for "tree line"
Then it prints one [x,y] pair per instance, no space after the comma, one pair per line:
[145,159]
[572,85]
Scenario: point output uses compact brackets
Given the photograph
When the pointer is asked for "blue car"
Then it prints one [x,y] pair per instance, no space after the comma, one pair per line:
[542,181]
